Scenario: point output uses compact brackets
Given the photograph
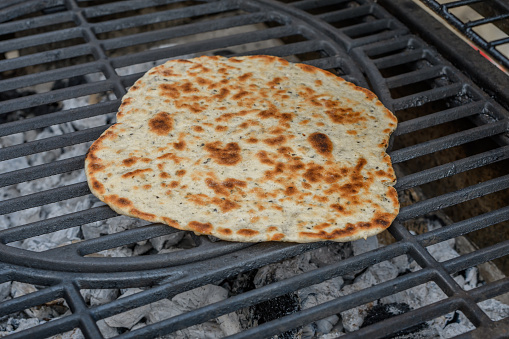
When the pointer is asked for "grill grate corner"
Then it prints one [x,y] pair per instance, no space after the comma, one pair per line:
[482,22]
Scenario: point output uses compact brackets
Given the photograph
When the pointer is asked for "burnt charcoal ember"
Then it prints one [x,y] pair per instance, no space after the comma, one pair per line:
[242,283]
[277,308]
[265,311]
[290,303]
[381,312]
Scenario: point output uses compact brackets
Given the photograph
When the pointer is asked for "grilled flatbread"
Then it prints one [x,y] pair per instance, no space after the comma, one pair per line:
[249,149]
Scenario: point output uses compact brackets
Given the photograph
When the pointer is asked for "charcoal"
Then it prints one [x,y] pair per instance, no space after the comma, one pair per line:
[381,312]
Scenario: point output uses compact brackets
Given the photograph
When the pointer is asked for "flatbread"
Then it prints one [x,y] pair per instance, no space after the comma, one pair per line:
[249,149]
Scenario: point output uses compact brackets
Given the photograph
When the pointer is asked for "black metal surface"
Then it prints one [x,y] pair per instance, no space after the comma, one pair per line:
[351,37]
[499,12]
[484,73]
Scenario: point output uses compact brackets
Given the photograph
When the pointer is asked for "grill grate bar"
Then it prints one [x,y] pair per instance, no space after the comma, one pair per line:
[328,63]
[498,42]
[490,290]
[7,3]
[59,117]
[415,76]
[453,198]
[311,4]
[460,3]
[290,49]
[27,7]
[185,30]
[401,58]
[53,75]
[425,260]
[62,259]
[124,6]
[263,293]
[452,168]
[56,224]
[38,22]
[398,323]
[50,328]
[56,95]
[346,14]
[402,45]
[78,307]
[39,39]
[43,198]
[366,28]
[201,46]
[258,255]
[51,143]
[40,297]
[486,20]
[108,241]
[44,57]
[463,227]
[129,80]
[41,171]
[448,141]
[5,275]
[341,304]
[440,117]
[421,98]
[338,62]
[152,18]
[478,257]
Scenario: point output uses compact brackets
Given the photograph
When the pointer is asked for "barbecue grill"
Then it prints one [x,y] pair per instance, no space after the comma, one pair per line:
[453,125]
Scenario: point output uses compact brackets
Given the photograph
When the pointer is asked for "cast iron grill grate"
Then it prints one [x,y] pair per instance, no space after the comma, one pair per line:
[351,38]
[485,23]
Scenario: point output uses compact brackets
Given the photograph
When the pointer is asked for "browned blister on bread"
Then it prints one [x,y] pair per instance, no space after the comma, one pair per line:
[249,149]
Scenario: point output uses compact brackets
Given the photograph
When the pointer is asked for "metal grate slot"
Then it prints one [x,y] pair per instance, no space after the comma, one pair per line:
[106,12]
[56,224]
[15,9]
[452,168]
[442,143]
[356,22]
[454,198]
[483,22]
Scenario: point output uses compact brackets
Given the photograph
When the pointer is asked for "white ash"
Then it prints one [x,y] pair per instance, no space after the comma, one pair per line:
[94,297]
[494,309]
[130,318]
[13,325]
[106,330]
[163,309]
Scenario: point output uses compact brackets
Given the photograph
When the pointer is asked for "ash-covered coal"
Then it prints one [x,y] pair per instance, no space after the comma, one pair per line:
[293,302]
[382,312]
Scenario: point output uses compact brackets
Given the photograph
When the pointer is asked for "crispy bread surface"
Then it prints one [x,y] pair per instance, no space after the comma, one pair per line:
[249,149]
